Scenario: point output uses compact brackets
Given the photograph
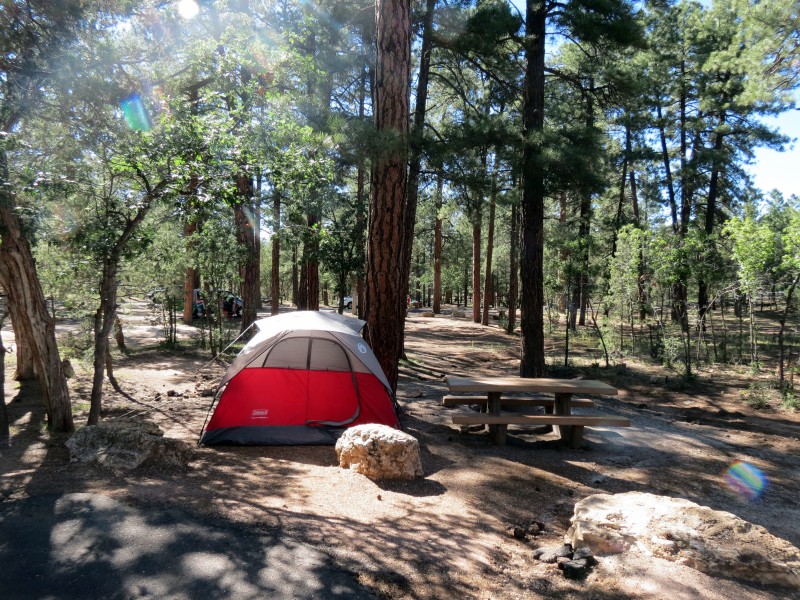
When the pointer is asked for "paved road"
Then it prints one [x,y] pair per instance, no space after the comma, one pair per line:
[90,546]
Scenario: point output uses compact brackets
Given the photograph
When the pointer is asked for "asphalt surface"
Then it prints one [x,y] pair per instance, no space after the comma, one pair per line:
[90,546]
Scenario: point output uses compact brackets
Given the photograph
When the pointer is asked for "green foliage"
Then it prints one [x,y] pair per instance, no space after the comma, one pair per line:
[758,395]
[753,250]
[790,400]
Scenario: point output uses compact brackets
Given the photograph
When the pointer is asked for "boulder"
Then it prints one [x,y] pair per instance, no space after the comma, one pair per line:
[379,452]
[714,542]
[124,444]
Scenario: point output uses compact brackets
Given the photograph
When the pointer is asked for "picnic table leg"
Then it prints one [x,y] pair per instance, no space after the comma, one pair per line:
[562,407]
[496,432]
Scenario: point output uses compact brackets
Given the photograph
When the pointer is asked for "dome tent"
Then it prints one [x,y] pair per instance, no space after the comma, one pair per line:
[302,379]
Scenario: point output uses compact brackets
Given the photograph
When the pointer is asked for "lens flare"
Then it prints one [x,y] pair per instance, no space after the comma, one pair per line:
[135,113]
[188,9]
[746,480]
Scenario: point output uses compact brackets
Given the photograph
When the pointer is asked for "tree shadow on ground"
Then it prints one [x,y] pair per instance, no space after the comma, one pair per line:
[88,545]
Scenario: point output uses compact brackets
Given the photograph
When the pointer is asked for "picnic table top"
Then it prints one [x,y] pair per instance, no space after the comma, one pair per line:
[519,384]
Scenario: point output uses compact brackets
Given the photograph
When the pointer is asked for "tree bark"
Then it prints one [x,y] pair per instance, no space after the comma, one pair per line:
[781,350]
[437,249]
[19,278]
[5,425]
[581,280]
[533,195]
[106,314]
[387,266]
[192,280]
[513,276]
[417,132]
[711,209]
[673,208]
[476,268]
[25,369]
[487,281]
[247,229]
[308,291]
[275,278]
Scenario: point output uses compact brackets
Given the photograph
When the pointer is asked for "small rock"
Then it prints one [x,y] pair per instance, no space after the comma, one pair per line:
[574,569]
[535,528]
[517,533]
[565,550]
[172,393]
[207,392]
[547,557]
[585,554]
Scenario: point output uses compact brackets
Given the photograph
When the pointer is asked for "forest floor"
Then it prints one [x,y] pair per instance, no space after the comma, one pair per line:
[444,535]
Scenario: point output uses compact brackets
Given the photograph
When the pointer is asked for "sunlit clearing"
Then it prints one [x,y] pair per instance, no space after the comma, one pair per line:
[746,480]
[135,113]
[188,9]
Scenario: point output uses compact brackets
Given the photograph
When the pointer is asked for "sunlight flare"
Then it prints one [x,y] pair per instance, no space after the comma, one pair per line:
[188,9]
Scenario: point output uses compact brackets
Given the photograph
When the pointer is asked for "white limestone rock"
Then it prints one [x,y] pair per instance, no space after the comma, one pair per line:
[124,444]
[379,452]
[714,542]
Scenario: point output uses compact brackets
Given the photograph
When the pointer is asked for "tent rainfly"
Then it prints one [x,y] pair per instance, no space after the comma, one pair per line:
[301,380]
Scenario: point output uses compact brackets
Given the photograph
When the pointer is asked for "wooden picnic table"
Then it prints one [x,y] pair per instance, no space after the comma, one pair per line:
[490,390]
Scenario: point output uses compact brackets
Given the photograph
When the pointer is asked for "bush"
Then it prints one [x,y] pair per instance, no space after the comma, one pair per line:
[758,395]
[790,400]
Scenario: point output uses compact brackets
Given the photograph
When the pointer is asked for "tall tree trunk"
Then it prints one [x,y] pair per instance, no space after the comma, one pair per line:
[103,325]
[487,281]
[667,170]
[190,281]
[711,209]
[257,239]
[533,194]
[25,369]
[20,280]
[361,215]
[275,293]
[308,292]
[106,314]
[437,248]
[5,425]
[581,280]
[387,255]
[513,274]
[295,276]
[247,230]
[564,254]
[476,267]
[641,290]
[418,129]
[781,350]
[620,204]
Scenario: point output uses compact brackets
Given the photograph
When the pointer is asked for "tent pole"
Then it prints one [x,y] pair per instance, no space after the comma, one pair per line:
[221,352]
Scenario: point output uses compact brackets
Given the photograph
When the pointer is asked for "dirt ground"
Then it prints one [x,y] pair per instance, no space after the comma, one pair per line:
[444,535]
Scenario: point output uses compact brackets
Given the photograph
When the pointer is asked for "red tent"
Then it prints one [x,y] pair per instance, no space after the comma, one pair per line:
[302,379]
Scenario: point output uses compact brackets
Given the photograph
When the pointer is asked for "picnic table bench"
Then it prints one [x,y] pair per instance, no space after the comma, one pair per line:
[489,391]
